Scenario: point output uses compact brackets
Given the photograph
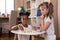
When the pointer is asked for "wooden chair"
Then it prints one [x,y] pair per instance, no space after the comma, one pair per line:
[12,20]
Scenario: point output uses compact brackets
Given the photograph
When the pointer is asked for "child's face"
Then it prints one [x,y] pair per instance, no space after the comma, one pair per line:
[44,10]
[24,19]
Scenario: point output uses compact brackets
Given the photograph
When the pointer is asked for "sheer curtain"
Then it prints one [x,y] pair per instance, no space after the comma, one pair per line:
[6,6]
[9,6]
[2,6]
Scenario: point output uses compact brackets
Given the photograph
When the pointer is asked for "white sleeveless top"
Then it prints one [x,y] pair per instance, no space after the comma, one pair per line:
[25,37]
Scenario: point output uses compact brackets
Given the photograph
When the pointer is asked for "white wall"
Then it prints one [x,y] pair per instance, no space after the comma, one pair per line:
[59,16]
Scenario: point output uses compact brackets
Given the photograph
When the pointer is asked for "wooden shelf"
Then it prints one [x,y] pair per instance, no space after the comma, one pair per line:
[3,17]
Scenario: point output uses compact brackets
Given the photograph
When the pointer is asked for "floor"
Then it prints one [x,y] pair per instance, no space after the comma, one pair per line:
[6,37]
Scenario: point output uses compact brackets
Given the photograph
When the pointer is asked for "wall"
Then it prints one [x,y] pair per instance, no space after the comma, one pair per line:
[19,3]
[59,17]
[55,14]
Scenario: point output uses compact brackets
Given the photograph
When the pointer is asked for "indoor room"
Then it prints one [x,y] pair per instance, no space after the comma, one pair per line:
[29,20]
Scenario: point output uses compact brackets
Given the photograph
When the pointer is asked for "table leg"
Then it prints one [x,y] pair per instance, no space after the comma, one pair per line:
[15,36]
[33,38]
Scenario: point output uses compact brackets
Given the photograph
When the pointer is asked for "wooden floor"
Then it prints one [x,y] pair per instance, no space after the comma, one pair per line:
[6,37]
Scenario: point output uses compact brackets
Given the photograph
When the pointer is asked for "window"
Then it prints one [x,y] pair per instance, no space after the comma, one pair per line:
[2,6]
[9,6]
[6,6]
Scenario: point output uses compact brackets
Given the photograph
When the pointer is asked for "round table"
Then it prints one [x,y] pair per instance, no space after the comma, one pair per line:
[30,33]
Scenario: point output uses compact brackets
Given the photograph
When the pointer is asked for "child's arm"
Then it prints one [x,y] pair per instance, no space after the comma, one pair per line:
[44,25]
[17,27]
[14,27]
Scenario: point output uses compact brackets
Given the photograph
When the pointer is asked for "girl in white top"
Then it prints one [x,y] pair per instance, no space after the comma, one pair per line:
[25,37]
[47,22]
[23,26]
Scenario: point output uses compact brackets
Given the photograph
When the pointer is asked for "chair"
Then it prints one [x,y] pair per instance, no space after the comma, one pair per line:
[12,20]
[0,31]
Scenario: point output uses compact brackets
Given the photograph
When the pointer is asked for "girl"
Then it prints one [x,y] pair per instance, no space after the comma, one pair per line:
[23,26]
[47,22]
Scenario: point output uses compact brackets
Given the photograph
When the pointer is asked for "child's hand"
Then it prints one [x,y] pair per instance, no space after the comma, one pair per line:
[42,17]
[20,27]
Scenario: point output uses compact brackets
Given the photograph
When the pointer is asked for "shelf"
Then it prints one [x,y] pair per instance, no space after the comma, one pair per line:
[28,5]
[33,0]
[28,9]
[28,0]
[32,16]
[19,21]
[31,8]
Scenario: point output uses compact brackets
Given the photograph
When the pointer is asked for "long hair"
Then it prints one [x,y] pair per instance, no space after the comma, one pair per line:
[49,6]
